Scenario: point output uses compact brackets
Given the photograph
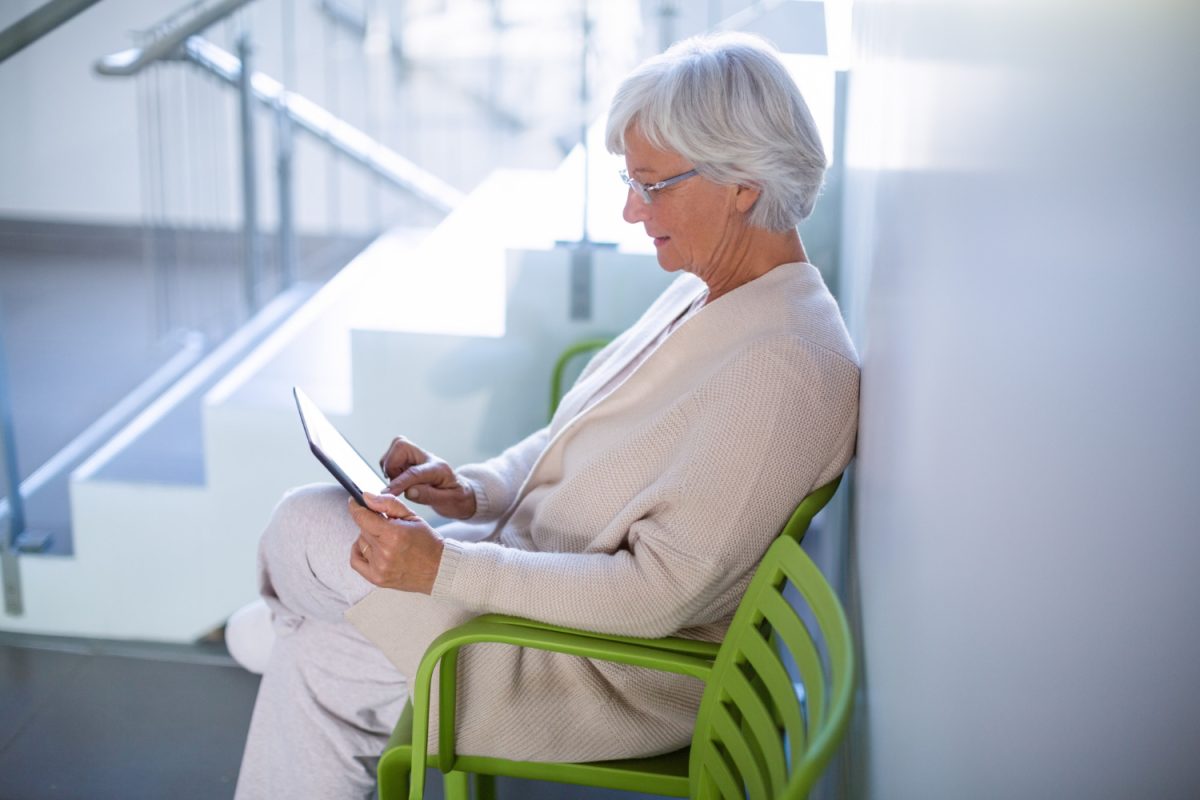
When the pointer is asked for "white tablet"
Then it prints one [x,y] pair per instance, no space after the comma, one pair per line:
[331,448]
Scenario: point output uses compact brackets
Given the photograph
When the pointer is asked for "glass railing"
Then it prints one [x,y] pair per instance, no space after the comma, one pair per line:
[144,219]
[173,194]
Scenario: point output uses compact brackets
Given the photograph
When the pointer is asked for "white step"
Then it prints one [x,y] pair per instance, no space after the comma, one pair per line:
[449,342]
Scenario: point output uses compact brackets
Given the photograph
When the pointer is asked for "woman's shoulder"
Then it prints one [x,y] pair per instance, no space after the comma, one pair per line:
[789,307]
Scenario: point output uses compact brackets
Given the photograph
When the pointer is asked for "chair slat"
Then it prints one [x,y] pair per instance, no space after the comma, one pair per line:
[826,609]
[749,767]
[721,772]
[767,664]
[758,718]
[800,644]
[835,632]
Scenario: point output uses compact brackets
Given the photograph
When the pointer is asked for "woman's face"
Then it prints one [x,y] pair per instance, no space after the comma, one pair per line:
[695,224]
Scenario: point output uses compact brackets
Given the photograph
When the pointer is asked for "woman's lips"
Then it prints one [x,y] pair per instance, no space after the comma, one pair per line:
[659,241]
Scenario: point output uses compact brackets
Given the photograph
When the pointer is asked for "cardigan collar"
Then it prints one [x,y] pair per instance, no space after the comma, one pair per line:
[673,303]
[754,309]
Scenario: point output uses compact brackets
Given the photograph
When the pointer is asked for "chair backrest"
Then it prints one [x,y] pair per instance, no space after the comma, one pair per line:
[757,735]
[584,347]
[797,524]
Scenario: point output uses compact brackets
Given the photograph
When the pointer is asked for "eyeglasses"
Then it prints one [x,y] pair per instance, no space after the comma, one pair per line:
[644,190]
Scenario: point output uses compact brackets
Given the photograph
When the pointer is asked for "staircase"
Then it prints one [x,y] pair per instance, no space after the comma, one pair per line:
[447,339]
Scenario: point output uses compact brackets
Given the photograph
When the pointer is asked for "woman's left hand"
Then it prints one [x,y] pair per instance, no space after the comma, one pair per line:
[395,548]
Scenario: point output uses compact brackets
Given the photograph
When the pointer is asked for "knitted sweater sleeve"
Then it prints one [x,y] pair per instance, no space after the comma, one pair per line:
[497,480]
[754,439]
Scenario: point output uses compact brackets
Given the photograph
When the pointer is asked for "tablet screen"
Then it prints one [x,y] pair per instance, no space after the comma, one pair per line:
[338,455]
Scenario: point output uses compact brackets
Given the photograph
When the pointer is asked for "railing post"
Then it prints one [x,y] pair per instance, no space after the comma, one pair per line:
[668,12]
[579,301]
[580,304]
[252,260]
[287,232]
[10,567]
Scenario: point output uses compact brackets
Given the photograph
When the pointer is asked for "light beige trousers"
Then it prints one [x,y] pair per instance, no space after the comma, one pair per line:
[329,698]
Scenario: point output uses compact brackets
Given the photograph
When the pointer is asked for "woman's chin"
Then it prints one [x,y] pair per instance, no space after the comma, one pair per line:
[667,263]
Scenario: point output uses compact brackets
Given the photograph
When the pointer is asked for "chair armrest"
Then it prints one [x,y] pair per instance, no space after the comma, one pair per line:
[670,644]
[523,633]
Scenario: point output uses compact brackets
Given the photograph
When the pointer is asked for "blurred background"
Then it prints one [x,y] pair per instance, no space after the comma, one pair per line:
[390,204]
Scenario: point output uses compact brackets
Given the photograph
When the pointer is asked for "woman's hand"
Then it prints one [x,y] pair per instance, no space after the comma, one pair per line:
[425,478]
[395,548]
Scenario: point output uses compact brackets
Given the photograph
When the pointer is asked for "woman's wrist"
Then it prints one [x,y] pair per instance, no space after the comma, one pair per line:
[477,497]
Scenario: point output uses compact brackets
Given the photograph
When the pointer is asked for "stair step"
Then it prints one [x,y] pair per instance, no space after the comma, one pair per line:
[164,444]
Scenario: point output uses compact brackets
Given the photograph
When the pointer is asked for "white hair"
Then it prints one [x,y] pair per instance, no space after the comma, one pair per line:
[726,103]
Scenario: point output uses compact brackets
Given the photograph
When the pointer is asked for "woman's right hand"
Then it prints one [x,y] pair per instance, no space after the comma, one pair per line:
[425,478]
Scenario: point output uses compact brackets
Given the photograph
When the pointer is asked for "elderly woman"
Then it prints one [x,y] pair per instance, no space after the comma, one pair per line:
[641,509]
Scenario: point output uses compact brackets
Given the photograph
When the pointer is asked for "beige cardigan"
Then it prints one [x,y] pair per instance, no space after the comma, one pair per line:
[642,514]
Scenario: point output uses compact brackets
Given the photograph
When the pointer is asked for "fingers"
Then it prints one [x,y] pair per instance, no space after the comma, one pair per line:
[382,510]
[425,478]
[429,495]
[374,551]
[362,547]
[388,505]
[401,454]
[358,559]
[371,563]
[435,472]
[400,552]
[457,502]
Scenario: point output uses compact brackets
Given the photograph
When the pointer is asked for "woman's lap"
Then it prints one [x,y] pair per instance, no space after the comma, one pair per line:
[304,557]
[509,702]
[328,698]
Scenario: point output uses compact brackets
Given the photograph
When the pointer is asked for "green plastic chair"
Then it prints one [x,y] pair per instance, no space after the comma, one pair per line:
[755,736]
[582,347]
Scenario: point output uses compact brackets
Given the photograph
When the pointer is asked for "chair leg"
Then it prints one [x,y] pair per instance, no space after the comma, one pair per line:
[393,775]
[456,786]
[485,787]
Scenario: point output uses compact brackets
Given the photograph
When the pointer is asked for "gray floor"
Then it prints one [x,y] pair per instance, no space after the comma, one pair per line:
[79,724]
[85,719]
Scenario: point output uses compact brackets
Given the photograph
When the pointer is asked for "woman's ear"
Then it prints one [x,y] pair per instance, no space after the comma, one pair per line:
[745,198]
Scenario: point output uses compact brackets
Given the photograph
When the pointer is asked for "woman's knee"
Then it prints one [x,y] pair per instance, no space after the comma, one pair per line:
[304,555]
[301,514]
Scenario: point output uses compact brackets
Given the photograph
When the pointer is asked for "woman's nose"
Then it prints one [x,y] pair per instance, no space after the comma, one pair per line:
[636,209]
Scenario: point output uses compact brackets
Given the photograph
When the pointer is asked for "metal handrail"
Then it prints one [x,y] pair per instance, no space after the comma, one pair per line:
[321,123]
[132,61]
[338,134]
[37,23]
[180,41]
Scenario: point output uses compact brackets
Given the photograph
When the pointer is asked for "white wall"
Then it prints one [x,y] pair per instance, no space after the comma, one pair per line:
[1021,208]
[68,139]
